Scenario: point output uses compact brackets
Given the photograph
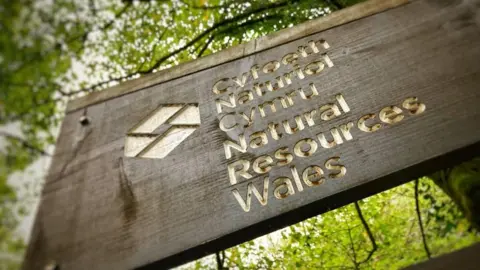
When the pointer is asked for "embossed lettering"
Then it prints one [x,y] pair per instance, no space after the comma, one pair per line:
[262,199]
[413,105]
[242,147]
[300,150]
[313,176]
[332,164]
[238,168]
[283,188]
[230,103]
[362,125]
[391,115]
[262,165]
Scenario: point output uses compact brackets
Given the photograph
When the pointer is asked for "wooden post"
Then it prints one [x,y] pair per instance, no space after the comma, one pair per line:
[212,153]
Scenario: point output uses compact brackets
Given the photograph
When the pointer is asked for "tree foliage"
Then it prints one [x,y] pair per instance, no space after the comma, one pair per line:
[462,184]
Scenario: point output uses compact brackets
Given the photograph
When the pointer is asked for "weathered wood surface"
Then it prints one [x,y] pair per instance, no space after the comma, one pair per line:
[102,210]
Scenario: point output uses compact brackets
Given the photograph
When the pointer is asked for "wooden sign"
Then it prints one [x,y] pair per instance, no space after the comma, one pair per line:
[209,154]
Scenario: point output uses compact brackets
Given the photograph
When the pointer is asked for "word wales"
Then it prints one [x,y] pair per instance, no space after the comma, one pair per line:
[244,115]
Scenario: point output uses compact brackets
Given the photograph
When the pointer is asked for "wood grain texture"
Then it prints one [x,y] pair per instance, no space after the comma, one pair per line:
[283,36]
[101,210]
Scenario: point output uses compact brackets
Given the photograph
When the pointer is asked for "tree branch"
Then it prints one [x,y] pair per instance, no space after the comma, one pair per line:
[210,39]
[250,23]
[228,30]
[84,36]
[354,259]
[193,41]
[117,15]
[149,1]
[336,4]
[213,28]
[205,7]
[417,208]
[92,87]
[220,258]
[369,233]
[24,143]
[91,6]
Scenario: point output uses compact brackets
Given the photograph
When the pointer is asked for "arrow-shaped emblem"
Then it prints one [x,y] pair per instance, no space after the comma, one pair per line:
[161,131]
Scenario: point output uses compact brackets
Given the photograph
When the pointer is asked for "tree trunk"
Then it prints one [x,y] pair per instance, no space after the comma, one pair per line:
[462,184]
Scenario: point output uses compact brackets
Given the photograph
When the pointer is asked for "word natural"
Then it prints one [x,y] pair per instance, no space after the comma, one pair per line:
[312,175]
[309,146]
[236,117]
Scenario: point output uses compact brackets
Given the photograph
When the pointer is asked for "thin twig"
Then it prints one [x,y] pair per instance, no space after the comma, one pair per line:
[214,27]
[220,257]
[164,58]
[369,233]
[336,4]
[205,7]
[24,143]
[354,259]
[210,39]
[91,6]
[417,208]
[92,87]
[407,237]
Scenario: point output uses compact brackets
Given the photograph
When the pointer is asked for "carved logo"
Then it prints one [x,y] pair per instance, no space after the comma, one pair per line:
[161,131]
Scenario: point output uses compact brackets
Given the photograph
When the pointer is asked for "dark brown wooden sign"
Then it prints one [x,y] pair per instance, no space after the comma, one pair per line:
[212,153]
